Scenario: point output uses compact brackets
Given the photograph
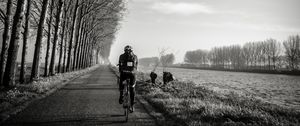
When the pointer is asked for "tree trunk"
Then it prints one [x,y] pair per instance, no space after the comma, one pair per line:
[274,62]
[10,69]
[39,37]
[85,58]
[72,35]
[67,7]
[56,31]
[91,57]
[76,40]
[25,36]
[269,58]
[46,71]
[84,54]
[82,50]
[97,56]
[80,46]
[65,56]
[62,43]
[65,48]
[5,40]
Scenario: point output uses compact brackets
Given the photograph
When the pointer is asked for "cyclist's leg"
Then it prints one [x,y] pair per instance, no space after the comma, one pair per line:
[121,80]
[132,88]
[121,88]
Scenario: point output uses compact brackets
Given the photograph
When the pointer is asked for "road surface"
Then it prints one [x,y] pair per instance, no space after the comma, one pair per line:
[91,99]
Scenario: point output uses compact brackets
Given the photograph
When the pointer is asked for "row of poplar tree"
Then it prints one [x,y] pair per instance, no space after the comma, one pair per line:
[76,33]
[267,55]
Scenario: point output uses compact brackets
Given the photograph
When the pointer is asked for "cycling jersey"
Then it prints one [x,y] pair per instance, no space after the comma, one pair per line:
[128,62]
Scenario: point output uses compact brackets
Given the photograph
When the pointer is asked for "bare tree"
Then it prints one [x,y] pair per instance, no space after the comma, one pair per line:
[196,57]
[67,35]
[73,27]
[5,41]
[292,51]
[37,50]
[56,31]
[273,52]
[247,54]
[10,69]
[66,8]
[25,37]
[77,34]
[166,59]
[236,58]
[46,70]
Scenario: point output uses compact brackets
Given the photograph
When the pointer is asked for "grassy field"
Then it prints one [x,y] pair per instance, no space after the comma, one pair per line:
[192,105]
[283,90]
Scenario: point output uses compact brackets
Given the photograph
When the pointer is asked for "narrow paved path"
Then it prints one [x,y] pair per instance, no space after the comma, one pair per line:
[91,99]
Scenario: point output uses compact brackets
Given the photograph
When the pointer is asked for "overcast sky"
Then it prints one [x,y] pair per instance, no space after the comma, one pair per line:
[183,25]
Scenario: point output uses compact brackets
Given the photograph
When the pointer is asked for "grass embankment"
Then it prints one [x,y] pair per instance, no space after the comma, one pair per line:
[196,105]
[11,100]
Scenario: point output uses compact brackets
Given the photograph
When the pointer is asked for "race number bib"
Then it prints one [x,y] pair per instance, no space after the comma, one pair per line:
[130,64]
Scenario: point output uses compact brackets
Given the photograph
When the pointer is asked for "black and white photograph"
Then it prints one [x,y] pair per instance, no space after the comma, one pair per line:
[149,62]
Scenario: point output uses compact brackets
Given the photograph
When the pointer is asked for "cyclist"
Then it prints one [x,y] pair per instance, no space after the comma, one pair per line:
[128,63]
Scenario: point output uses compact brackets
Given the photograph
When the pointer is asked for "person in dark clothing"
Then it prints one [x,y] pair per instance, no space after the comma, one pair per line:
[153,77]
[167,77]
[128,63]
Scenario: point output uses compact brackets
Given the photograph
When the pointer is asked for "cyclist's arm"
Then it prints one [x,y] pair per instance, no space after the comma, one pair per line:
[120,63]
[136,63]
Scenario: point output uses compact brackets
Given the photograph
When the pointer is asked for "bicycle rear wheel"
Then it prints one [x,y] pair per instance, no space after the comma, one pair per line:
[126,114]
[126,105]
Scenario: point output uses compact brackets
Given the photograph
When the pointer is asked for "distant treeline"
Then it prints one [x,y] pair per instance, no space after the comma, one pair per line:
[261,56]
[148,61]
[163,60]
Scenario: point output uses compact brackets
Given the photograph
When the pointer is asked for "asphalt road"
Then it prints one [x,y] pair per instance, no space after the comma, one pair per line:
[91,99]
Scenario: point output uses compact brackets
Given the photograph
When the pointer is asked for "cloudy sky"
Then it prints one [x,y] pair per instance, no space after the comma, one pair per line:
[183,25]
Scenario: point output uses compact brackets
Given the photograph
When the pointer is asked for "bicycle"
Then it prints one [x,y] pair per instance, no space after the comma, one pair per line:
[126,99]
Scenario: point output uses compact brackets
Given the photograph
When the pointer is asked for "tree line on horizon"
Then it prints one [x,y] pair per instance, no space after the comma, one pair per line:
[75,32]
[269,54]
[163,60]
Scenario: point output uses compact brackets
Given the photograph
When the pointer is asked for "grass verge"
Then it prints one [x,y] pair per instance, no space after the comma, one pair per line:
[193,105]
[16,99]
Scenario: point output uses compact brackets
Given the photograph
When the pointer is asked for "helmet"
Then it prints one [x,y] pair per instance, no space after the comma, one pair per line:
[128,47]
